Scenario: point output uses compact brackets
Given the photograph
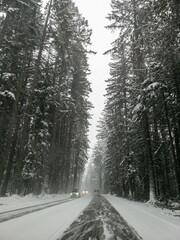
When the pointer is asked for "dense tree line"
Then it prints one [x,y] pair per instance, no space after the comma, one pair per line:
[140,127]
[44,106]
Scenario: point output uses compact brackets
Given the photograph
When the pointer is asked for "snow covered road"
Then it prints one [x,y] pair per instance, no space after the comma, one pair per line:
[151,223]
[99,221]
[47,224]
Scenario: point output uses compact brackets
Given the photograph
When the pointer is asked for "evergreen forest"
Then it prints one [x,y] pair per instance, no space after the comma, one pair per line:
[45,108]
[137,154]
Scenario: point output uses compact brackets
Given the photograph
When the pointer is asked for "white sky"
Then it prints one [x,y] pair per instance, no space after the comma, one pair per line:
[95,11]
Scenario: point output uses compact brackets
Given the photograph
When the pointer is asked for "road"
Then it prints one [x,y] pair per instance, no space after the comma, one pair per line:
[100,221]
[101,217]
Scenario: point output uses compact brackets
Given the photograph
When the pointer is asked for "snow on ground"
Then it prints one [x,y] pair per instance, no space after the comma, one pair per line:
[150,222]
[15,201]
[47,224]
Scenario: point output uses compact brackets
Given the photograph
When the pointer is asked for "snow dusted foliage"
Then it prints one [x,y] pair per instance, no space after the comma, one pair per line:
[44,106]
[140,124]
[8,94]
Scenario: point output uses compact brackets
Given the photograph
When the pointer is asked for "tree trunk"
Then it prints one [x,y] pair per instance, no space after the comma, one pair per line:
[165,163]
[9,167]
[75,179]
[152,195]
[68,154]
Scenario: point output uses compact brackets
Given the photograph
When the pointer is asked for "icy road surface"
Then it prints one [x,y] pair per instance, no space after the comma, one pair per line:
[47,224]
[150,222]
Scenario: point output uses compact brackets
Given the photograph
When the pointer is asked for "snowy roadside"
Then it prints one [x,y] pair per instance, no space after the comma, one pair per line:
[15,201]
[151,223]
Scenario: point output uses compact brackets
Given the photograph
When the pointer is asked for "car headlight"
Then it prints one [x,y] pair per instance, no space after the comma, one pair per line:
[70,194]
[77,194]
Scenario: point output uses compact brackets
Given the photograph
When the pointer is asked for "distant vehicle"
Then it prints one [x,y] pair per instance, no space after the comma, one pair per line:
[75,193]
[85,192]
[96,192]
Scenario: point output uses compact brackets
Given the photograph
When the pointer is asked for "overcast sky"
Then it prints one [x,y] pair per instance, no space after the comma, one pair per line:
[95,11]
